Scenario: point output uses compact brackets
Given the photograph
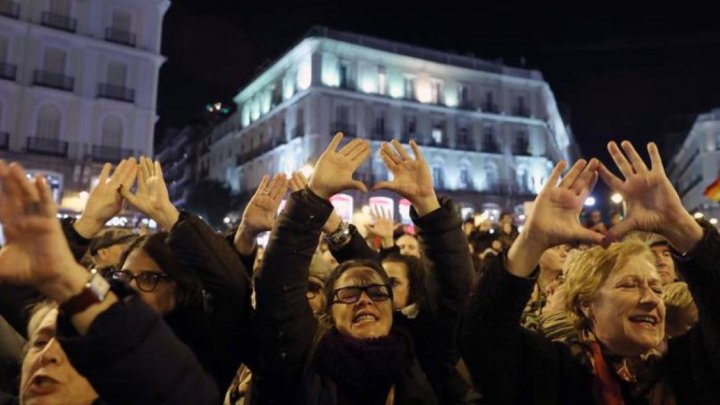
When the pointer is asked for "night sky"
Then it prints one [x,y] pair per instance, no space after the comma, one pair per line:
[621,70]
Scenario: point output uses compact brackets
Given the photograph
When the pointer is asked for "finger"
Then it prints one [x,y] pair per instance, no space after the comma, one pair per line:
[133,199]
[47,203]
[276,184]
[294,183]
[104,174]
[634,157]
[359,185]
[385,185]
[609,178]
[617,231]
[281,189]
[358,153]
[555,175]
[416,151]
[159,172]
[114,180]
[350,147]
[400,149]
[585,235]
[585,178]
[28,192]
[142,179]
[620,161]
[332,147]
[263,185]
[656,163]
[361,156]
[303,179]
[390,154]
[573,174]
[147,170]
[590,185]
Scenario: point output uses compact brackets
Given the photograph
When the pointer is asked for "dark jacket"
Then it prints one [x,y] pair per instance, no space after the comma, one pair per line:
[286,329]
[445,246]
[130,356]
[511,365]
[217,328]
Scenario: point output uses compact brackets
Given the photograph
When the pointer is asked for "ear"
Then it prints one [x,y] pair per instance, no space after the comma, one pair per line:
[587,311]
[102,253]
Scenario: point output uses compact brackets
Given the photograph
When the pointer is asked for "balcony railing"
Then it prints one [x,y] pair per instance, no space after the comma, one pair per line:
[119,36]
[103,153]
[346,128]
[9,9]
[467,146]
[58,21]
[490,108]
[490,147]
[45,146]
[4,140]
[114,92]
[521,149]
[53,80]
[8,71]
[521,112]
[379,134]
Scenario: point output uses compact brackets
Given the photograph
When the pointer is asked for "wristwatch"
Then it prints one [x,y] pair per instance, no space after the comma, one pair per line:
[340,237]
[94,292]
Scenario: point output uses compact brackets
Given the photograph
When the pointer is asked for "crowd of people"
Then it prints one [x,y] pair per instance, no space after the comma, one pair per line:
[559,312]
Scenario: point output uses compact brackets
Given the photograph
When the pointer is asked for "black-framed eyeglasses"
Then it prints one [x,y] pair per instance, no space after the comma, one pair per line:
[146,281]
[313,290]
[351,295]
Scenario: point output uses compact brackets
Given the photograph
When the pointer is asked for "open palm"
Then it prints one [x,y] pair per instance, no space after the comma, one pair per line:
[259,215]
[334,169]
[411,177]
[151,197]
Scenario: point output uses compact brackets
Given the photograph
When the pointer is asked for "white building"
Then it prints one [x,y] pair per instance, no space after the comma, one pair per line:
[696,165]
[491,133]
[78,85]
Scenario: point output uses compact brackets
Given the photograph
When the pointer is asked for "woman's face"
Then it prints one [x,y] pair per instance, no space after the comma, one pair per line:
[162,297]
[47,375]
[398,273]
[315,295]
[627,314]
[366,318]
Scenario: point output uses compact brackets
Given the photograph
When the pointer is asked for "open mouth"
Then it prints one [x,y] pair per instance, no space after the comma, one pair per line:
[42,384]
[645,319]
[364,317]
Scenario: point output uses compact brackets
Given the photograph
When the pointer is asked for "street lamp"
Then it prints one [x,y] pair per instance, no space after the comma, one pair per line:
[698,215]
[590,201]
[616,198]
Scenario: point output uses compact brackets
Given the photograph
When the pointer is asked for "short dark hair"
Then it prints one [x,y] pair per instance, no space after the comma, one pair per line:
[110,237]
[345,266]
[189,289]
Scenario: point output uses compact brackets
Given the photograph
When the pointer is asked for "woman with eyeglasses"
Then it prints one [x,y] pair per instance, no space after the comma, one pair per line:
[359,357]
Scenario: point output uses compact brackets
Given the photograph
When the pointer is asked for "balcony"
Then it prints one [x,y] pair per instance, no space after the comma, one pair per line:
[45,146]
[346,128]
[433,143]
[10,9]
[521,148]
[521,112]
[111,154]
[53,80]
[113,92]
[8,71]
[58,21]
[4,140]
[466,146]
[490,147]
[298,131]
[378,134]
[119,36]
[490,108]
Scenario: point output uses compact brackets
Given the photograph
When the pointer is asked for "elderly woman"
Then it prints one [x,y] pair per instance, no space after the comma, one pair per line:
[614,294]
[96,342]
[361,358]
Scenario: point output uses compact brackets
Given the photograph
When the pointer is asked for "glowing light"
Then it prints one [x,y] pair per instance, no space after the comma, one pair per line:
[226,220]
[304,75]
[343,204]
[368,86]
[423,91]
[383,204]
[590,201]
[366,209]
[84,195]
[698,215]
[713,221]
[616,198]
[307,170]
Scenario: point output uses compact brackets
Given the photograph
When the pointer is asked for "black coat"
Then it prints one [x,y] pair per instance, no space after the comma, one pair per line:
[433,331]
[286,329]
[511,365]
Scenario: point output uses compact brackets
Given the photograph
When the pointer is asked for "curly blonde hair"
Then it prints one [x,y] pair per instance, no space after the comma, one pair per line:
[587,272]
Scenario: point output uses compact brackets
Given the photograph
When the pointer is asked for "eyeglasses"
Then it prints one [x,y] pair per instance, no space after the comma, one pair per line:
[313,290]
[351,295]
[146,281]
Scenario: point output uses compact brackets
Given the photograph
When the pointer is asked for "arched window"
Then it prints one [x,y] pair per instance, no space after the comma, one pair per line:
[112,132]
[48,122]
[438,175]
[491,177]
[465,180]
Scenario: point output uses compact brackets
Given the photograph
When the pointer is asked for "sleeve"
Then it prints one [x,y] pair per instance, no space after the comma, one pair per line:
[355,249]
[78,244]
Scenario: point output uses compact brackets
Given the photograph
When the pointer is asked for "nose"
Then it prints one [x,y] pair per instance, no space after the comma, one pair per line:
[649,297]
[364,299]
[52,353]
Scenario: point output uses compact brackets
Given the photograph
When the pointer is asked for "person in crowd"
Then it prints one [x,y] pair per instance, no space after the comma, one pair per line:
[361,358]
[507,232]
[614,295]
[409,245]
[595,222]
[93,342]
[615,218]
[551,269]
[663,259]
[107,246]
[193,276]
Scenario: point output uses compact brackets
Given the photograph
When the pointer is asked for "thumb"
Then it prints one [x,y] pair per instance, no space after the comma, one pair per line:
[131,198]
[589,236]
[617,231]
[384,185]
[359,185]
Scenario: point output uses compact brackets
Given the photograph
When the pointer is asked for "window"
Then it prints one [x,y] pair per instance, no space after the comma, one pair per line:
[112,131]
[438,132]
[409,86]
[491,177]
[379,129]
[117,74]
[464,95]
[48,122]
[62,7]
[344,72]
[55,60]
[463,134]
[382,82]
[465,179]
[489,104]
[409,127]
[3,49]
[437,173]
[121,21]
[436,90]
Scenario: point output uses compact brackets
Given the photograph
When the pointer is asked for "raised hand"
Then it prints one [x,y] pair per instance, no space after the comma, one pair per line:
[383,226]
[555,217]
[105,200]
[151,197]
[298,181]
[653,205]
[36,252]
[334,170]
[259,215]
[411,177]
